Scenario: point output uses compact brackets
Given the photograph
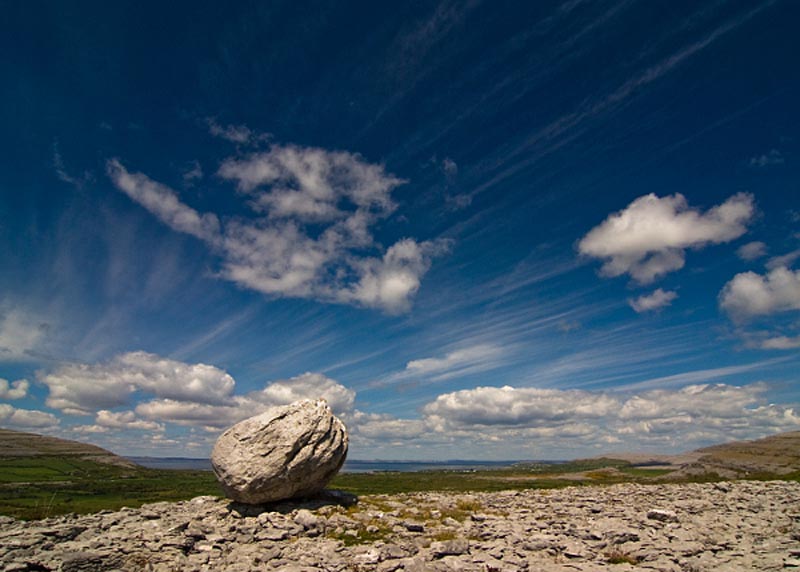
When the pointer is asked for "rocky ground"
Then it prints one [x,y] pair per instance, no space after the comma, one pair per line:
[744,525]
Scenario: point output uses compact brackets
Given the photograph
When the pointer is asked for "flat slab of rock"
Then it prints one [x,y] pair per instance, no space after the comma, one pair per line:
[752,526]
[287,452]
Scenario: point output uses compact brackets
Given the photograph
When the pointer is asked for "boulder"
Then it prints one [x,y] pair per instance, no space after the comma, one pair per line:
[286,452]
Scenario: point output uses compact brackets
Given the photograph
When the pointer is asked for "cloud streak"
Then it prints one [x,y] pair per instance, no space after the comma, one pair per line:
[315,212]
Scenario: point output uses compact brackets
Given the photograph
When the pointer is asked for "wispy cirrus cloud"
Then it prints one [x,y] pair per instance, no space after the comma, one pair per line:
[566,128]
[239,134]
[772,157]
[291,189]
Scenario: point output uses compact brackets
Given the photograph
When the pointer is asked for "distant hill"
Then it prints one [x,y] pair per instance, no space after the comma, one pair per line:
[15,444]
[776,454]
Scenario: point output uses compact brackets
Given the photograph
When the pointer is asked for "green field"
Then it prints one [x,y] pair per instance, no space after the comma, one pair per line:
[42,486]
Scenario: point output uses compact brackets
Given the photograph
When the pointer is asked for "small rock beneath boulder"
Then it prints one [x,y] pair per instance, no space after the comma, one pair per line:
[286,452]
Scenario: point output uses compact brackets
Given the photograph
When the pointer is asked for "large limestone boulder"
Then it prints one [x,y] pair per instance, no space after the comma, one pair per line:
[286,452]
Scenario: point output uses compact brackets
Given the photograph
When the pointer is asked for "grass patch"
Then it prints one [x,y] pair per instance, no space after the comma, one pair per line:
[519,477]
[644,472]
[39,487]
[619,557]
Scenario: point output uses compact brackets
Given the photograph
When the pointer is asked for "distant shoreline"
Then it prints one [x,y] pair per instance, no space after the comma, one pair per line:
[354,466]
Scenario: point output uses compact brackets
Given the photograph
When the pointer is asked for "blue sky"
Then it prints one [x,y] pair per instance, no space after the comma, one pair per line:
[500,230]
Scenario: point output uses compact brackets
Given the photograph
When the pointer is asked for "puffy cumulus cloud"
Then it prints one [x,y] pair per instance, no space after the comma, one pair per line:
[653,301]
[523,419]
[25,418]
[694,401]
[306,386]
[381,427]
[648,238]
[511,406]
[311,183]
[14,390]
[20,333]
[311,234]
[170,391]
[124,420]
[239,407]
[82,389]
[391,282]
[752,251]
[748,294]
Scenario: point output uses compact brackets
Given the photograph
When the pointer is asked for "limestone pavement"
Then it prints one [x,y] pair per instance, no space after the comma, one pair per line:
[741,525]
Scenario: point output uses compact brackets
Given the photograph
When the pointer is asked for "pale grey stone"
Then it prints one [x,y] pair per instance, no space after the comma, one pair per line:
[286,452]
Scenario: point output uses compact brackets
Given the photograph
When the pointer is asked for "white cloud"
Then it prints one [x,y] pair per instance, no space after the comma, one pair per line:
[391,282]
[238,407]
[64,176]
[781,343]
[124,420]
[193,172]
[20,334]
[239,134]
[752,251]
[510,406]
[786,260]
[772,157]
[386,428]
[186,394]
[311,183]
[16,390]
[693,401]
[81,388]
[312,236]
[649,237]
[559,420]
[88,429]
[306,386]
[25,418]
[164,203]
[653,301]
[749,294]
[465,360]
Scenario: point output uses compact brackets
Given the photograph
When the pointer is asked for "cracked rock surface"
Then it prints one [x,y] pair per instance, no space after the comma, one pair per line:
[287,452]
[742,525]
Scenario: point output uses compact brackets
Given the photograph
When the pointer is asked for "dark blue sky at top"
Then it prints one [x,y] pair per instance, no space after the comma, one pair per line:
[517,127]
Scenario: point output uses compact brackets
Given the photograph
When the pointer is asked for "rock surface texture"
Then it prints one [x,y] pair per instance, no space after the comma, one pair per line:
[287,452]
[736,526]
